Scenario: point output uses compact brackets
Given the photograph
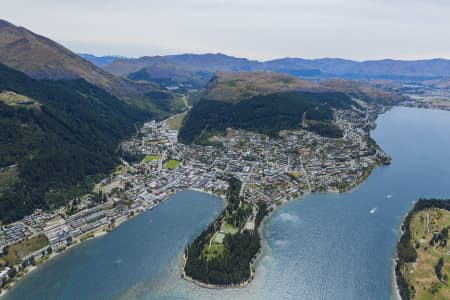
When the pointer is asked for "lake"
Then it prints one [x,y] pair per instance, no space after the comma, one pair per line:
[323,246]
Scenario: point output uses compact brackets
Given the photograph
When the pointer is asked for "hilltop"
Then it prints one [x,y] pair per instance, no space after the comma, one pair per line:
[42,58]
[268,102]
[234,87]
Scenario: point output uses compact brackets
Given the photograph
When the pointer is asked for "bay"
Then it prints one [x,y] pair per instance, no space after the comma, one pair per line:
[323,246]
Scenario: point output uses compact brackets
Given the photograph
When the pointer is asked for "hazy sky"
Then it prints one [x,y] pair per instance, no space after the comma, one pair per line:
[259,29]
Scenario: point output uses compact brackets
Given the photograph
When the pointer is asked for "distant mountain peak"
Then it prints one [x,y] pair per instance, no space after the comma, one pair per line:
[234,87]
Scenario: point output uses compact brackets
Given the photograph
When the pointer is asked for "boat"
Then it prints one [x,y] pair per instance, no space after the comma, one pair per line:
[373,210]
[389,196]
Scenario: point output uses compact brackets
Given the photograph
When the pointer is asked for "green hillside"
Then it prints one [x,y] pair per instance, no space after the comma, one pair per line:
[266,114]
[60,143]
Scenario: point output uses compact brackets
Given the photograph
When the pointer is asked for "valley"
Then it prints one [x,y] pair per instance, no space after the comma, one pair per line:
[88,143]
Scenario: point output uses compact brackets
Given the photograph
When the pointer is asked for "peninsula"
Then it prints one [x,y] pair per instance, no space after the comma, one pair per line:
[253,168]
[423,264]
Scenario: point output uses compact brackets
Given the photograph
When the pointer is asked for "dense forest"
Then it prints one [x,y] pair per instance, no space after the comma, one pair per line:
[406,252]
[267,114]
[233,267]
[60,146]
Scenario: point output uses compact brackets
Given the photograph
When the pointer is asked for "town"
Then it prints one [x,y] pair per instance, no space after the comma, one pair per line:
[272,170]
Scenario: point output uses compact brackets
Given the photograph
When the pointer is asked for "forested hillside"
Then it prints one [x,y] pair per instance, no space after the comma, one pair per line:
[54,144]
[266,114]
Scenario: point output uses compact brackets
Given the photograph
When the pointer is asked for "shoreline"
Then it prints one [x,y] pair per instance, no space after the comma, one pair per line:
[260,254]
[105,229]
[97,233]
[29,269]
[395,294]
[253,264]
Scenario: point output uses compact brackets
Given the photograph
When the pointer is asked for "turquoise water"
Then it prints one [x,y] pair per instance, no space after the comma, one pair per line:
[139,250]
[324,246]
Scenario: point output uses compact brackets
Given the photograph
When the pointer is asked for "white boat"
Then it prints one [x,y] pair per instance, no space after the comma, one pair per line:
[389,196]
[373,210]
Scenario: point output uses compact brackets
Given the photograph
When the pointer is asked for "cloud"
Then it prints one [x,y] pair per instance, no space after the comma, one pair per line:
[357,29]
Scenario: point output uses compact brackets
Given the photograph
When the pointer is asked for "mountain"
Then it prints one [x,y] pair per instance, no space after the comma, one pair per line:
[172,76]
[268,102]
[324,68]
[209,63]
[56,138]
[235,87]
[189,71]
[99,61]
[42,58]
[389,69]
[367,92]
[62,121]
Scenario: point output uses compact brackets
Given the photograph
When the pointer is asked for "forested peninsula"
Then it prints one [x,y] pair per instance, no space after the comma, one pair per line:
[224,253]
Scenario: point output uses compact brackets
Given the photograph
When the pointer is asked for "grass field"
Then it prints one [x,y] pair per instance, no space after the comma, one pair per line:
[23,248]
[422,275]
[171,164]
[228,228]
[8,177]
[14,99]
[216,250]
[175,122]
[214,247]
[149,158]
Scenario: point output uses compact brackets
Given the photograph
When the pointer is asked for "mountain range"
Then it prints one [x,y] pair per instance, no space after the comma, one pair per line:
[63,116]
[195,70]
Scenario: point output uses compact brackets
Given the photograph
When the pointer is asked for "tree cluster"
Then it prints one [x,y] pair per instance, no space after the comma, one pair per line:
[233,267]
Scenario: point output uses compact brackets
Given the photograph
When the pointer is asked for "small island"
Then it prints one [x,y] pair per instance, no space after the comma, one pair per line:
[423,252]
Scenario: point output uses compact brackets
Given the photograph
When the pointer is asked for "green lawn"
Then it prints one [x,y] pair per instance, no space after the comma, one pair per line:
[171,164]
[8,177]
[23,248]
[14,99]
[215,251]
[149,158]
[214,247]
[175,122]
[228,228]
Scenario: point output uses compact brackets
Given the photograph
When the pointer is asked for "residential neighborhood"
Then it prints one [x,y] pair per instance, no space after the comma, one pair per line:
[272,170]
